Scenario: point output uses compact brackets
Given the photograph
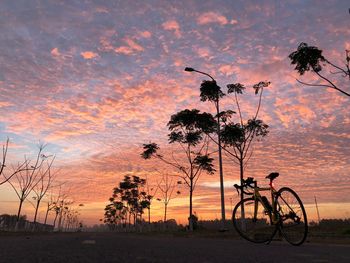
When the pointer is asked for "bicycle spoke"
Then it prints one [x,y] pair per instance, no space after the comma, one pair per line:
[251,223]
[292,215]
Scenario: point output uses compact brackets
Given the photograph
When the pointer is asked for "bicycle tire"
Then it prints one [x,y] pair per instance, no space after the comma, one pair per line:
[259,230]
[292,214]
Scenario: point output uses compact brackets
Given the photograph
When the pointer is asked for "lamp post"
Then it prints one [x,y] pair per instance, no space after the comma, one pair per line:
[219,150]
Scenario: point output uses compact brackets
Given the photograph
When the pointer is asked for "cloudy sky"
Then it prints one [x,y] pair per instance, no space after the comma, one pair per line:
[97,79]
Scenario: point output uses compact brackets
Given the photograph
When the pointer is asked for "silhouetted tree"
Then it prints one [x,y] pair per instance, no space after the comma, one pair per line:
[72,218]
[20,167]
[53,200]
[210,91]
[187,130]
[236,137]
[167,187]
[26,180]
[239,136]
[62,208]
[50,205]
[115,213]
[46,177]
[129,199]
[151,192]
[54,203]
[310,58]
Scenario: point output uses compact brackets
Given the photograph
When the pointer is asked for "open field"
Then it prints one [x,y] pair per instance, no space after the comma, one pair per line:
[123,247]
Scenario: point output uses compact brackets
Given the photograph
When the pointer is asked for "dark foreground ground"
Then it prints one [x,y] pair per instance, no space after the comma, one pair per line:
[130,248]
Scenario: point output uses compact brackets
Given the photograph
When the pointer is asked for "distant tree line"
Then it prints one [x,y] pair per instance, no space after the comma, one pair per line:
[35,181]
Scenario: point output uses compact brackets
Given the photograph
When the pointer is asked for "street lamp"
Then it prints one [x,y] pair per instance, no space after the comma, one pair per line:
[219,151]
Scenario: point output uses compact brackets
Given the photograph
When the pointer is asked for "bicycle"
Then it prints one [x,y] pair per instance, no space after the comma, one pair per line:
[258,220]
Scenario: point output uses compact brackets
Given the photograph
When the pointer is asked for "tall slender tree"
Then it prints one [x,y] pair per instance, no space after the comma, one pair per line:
[50,205]
[187,129]
[46,177]
[166,187]
[211,91]
[238,137]
[151,192]
[24,181]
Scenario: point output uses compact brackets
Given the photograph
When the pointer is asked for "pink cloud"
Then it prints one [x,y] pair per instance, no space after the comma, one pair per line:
[88,55]
[5,104]
[55,52]
[172,25]
[212,18]
[204,52]
[146,34]
[131,47]
[228,69]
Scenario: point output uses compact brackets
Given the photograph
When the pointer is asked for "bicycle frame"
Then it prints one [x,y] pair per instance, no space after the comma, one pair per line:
[258,197]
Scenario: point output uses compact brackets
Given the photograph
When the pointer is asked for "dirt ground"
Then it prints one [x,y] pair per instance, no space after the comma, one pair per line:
[130,248]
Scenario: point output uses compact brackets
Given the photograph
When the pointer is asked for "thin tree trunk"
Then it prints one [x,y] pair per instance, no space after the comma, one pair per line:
[191,218]
[19,209]
[18,214]
[54,221]
[242,194]
[60,219]
[165,211]
[221,173]
[241,176]
[46,215]
[61,224]
[36,210]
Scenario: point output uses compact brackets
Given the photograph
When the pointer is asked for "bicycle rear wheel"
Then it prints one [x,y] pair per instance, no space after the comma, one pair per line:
[293,220]
[257,228]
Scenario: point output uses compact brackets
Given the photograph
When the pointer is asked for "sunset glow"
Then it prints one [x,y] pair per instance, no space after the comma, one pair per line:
[95,80]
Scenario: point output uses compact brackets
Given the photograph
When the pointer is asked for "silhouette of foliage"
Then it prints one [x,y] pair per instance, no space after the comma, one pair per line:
[259,86]
[189,129]
[238,137]
[210,91]
[205,162]
[306,57]
[188,126]
[128,200]
[232,134]
[224,116]
[310,58]
[149,149]
[235,88]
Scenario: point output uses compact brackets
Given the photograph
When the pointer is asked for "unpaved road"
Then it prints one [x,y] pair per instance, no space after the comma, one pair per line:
[129,248]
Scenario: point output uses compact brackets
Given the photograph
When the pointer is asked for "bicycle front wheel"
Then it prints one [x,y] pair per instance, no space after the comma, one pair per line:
[293,220]
[252,221]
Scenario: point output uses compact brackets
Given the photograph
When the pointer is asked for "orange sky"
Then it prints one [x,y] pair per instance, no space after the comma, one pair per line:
[95,81]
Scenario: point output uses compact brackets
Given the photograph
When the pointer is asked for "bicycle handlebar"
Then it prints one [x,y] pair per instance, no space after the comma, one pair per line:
[249,182]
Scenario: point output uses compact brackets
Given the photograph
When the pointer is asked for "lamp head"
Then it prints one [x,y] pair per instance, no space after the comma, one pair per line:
[189,69]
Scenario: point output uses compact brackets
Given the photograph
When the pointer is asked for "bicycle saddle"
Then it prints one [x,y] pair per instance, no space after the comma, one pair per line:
[272,176]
